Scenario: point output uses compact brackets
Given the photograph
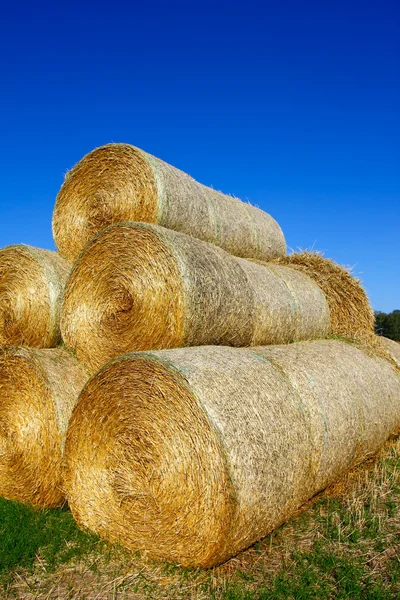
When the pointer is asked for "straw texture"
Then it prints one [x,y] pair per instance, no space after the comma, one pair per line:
[193,454]
[351,312]
[392,348]
[138,287]
[118,182]
[38,390]
[32,282]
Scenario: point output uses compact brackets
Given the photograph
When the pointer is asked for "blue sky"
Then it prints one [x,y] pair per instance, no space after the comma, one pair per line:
[293,106]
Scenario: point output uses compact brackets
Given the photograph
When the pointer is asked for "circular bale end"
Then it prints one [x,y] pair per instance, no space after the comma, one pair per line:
[125,293]
[350,310]
[144,466]
[111,184]
[30,437]
[31,284]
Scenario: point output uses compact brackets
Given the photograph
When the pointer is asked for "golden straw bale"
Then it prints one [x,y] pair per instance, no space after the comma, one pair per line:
[118,182]
[376,345]
[193,454]
[38,390]
[350,309]
[138,287]
[392,348]
[32,282]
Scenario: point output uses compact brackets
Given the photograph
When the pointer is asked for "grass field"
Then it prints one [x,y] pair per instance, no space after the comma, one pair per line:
[343,544]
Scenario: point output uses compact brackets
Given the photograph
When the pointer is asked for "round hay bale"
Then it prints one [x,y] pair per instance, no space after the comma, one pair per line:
[375,345]
[392,348]
[118,182]
[193,454]
[32,282]
[138,287]
[351,312]
[38,390]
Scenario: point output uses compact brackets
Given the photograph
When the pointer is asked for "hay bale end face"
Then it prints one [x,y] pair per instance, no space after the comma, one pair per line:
[38,390]
[138,287]
[118,182]
[32,282]
[350,309]
[193,454]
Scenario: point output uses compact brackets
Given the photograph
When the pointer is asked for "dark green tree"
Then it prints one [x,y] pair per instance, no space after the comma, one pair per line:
[388,325]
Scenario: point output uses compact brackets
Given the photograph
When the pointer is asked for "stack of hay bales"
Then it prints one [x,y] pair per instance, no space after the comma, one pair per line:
[205,436]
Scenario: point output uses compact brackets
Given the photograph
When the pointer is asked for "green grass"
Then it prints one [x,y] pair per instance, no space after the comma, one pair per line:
[345,545]
[26,534]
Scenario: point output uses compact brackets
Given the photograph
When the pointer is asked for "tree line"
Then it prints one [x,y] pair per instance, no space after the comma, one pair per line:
[388,324]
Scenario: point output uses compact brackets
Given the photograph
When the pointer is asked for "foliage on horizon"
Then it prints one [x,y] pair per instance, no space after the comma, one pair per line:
[388,324]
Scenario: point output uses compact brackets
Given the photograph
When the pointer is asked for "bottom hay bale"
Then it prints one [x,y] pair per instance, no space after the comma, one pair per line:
[193,454]
[38,391]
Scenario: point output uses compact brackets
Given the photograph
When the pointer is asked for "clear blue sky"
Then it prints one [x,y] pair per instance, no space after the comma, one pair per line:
[291,105]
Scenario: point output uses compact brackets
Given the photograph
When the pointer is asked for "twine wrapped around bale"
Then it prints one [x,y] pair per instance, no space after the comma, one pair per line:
[32,282]
[138,287]
[351,312]
[193,454]
[118,182]
[38,390]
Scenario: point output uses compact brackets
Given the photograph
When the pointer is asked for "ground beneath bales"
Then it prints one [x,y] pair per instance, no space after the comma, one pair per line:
[344,544]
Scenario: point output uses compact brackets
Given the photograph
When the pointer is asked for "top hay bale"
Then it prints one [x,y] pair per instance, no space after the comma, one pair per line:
[118,182]
[32,283]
